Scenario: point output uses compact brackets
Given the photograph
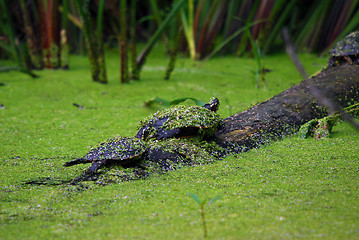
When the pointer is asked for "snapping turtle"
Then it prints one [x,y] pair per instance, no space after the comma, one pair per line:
[124,150]
[346,50]
[162,156]
[180,121]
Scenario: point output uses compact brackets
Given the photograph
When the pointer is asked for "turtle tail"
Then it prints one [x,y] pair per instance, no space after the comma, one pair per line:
[76,161]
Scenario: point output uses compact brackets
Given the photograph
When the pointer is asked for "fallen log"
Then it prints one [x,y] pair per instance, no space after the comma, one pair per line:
[273,119]
[336,87]
[283,114]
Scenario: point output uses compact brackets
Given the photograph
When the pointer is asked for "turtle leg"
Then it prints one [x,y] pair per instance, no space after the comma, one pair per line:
[76,161]
[90,173]
[96,165]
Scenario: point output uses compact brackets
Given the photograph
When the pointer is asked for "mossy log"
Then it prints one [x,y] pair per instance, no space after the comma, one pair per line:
[279,116]
[285,113]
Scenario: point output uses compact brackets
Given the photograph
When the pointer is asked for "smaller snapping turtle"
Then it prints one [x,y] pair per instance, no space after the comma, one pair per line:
[180,121]
[123,150]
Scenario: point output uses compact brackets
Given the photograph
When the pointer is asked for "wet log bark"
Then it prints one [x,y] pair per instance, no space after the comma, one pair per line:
[285,113]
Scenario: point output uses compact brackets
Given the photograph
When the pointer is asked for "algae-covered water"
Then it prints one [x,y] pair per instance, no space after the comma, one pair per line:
[289,189]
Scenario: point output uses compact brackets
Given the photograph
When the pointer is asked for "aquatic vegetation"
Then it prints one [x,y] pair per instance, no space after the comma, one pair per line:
[322,128]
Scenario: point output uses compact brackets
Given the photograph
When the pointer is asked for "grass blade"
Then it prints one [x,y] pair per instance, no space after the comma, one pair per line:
[255,48]
[227,40]
[275,31]
[188,29]
[143,55]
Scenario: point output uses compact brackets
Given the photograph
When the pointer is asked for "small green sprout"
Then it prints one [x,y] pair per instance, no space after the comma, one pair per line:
[201,203]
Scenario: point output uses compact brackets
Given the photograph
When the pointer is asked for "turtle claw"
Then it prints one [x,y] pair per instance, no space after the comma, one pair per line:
[348,59]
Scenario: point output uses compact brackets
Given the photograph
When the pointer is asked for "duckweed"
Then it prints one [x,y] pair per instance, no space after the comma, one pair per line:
[289,189]
[178,117]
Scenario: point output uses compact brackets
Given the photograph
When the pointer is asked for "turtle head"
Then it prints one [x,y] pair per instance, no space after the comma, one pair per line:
[213,105]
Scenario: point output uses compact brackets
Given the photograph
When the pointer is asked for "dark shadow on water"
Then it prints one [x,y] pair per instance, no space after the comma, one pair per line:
[56,181]
[49,181]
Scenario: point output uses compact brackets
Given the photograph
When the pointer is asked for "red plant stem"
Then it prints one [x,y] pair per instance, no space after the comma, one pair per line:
[263,12]
[202,36]
[340,24]
[50,31]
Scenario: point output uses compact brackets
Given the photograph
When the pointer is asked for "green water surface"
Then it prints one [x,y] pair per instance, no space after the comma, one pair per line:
[290,189]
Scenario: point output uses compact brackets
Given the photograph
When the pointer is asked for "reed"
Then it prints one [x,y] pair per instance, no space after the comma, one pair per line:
[93,42]
[148,47]
[187,23]
[123,42]
[12,46]
[133,50]
[259,73]
[209,27]
[33,43]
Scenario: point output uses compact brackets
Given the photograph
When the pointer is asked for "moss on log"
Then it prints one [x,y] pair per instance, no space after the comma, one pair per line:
[285,113]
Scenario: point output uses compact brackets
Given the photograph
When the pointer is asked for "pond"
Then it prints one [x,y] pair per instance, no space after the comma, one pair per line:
[292,188]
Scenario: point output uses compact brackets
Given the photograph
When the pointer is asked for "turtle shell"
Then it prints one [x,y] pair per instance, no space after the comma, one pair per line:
[349,45]
[178,121]
[118,148]
[121,149]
